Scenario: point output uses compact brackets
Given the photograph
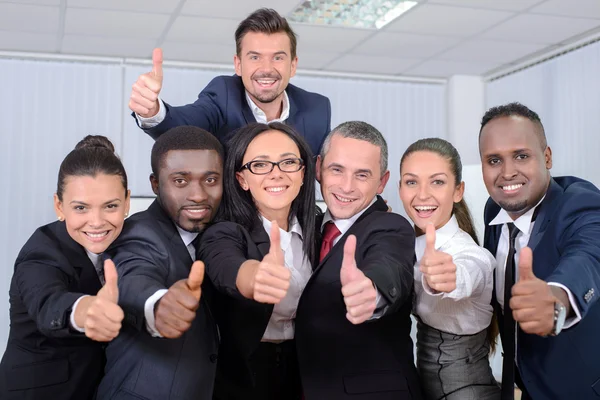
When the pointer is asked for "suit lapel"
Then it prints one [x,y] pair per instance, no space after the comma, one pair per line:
[75,253]
[545,214]
[379,205]
[294,119]
[261,238]
[169,229]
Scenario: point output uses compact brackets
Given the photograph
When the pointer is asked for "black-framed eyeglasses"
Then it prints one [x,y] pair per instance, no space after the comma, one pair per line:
[263,167]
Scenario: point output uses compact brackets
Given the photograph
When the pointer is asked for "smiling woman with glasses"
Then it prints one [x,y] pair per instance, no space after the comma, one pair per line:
[259,256]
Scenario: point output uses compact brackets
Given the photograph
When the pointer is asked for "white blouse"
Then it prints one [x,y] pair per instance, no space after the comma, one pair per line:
[467,309]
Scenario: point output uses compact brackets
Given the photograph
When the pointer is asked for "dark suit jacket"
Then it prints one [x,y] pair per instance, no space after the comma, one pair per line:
[150,255]
[566,249]
[242,322]
[222,108]
[45,358]
[372,360]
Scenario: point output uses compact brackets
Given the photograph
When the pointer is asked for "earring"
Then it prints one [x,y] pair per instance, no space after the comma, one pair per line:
[126,214]
[60,219]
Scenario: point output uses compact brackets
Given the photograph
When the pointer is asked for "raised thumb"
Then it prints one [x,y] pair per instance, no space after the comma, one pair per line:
[526,265]
[349,270]
[110,290]
[196,276]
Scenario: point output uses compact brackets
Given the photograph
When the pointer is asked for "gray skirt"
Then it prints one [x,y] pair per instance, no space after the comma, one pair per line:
[454,367]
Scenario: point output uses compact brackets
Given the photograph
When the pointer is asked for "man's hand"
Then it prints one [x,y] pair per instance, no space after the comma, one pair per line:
[438,268]
[144,94]
[532,300]
[176,310]
[360,295]
[101,315]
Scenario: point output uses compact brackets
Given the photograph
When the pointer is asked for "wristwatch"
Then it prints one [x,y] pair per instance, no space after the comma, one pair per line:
[560,314]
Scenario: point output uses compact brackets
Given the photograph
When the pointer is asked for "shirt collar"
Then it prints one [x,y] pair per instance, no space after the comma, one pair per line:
[260,115]
[284,236]
[344,225]
[442,236]
[94,258]
[523,223]
[187,237]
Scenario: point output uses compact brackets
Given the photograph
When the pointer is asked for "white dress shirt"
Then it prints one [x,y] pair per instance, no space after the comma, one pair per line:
[344,226]
[281,324]
[525,226]
[99,266]
[259,114]
[467,309]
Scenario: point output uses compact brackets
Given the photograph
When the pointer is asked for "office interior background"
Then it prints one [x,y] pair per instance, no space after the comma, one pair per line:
[67,66]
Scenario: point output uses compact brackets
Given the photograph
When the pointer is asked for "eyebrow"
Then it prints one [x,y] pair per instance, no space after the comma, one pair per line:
[86,204]
[517,151]
[252,52]
[262,156]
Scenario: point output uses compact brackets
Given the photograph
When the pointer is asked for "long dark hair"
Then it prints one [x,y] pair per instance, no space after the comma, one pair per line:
[93,155]
[460,210]
[238,205]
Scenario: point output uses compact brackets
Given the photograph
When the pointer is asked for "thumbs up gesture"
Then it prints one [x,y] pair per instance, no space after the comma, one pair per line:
[176,310]
[144,94]
[271,279]
[438,268]
[532,300]
[360,295]
[100,315]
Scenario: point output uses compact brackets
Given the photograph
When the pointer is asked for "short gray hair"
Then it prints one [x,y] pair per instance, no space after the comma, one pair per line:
[359,130]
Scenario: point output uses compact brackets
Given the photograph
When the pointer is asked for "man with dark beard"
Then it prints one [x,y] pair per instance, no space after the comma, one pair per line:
[167,348]
[259,92]
[544,233]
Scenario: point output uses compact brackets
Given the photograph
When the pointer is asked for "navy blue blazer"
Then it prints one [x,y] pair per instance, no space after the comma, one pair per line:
[566,249]
[222,108]
[150,255]
[45,358]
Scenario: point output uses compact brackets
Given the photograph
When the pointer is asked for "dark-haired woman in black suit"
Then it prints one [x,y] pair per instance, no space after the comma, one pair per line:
[259,256]
[63,297]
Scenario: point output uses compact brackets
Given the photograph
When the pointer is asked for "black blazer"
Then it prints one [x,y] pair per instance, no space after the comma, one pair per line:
[372,360]
[242,322]
[44,357]
[221,108]
[566,250]
[150,255]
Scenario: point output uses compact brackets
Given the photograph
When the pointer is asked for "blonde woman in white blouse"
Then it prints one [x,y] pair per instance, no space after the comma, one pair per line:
[453,277]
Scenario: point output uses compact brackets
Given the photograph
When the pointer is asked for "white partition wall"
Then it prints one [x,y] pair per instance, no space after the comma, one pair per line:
[49,105]
[47,108]
[565,92]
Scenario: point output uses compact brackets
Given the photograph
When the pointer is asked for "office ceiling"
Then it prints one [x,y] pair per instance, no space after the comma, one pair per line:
[436,38]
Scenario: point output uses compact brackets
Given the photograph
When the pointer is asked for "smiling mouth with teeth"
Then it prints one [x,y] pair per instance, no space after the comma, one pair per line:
[511,188]
[343,199]
[275,189]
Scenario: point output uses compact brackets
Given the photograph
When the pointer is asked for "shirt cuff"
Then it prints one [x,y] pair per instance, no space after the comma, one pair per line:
[569,322]
[153,121]
[149,312]
[381,305]
[72,317]
[428,288]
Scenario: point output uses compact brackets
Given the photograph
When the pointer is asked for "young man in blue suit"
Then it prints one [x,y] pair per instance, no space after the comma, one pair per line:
[544,232]
[259,92]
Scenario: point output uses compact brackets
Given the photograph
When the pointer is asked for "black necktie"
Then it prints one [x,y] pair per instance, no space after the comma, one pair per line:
[508,339]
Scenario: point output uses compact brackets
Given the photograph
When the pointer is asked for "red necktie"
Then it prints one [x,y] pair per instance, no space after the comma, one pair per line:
[330,232]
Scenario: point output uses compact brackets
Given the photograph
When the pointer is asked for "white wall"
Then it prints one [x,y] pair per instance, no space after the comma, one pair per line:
[50,105]
[565,92]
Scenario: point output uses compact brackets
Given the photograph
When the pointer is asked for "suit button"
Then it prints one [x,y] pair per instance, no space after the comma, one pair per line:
[213,358]
[55,323]
[393,292]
